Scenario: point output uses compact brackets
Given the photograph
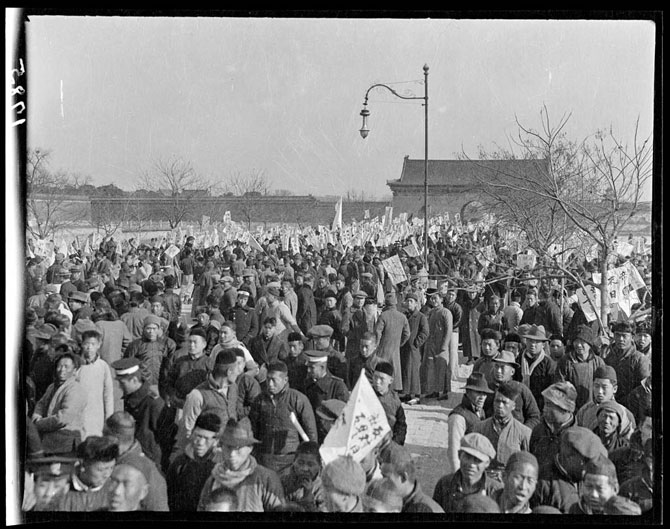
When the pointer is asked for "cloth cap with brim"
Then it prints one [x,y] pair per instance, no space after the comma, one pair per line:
[226,279]
[477,503]
[330,409]
[537,333]
[238,433]
[273,290]
[479,446]
[314,356]
[413,296]
[52,467]
[509,390]
[561,394]
[477,382]
[330,294]
[521,457]
[583,441]
[247,272]
[243,293]
[344,475]
[139,462]
[126,366]
[361,294]
[506,357]
[320,331]
[45,332]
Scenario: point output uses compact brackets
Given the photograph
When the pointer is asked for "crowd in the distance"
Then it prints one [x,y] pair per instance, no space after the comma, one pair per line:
[130,405]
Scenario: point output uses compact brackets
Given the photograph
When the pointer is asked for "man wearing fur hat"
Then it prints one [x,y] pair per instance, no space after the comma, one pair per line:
[579,365]
[557,416]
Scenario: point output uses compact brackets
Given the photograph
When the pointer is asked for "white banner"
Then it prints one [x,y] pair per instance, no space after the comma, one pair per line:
[394,269]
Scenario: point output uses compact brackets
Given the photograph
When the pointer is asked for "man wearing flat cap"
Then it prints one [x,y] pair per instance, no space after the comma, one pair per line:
[558,483]
[475,454]
[558,415]
[320,340]
[631,365]
[579,364]
[321,384]
[156,354]
[392,330]
[506,433]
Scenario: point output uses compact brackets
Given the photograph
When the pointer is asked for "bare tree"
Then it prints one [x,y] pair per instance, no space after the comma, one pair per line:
[248,189]
[49,203]
[181,186]
[352,195]
[593,187]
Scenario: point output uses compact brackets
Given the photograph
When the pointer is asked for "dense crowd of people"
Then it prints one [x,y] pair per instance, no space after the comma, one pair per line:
[131,405]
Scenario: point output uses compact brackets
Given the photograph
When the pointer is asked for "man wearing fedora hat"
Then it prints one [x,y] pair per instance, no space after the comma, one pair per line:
[392,330]
[464,417]
[538,369]
[579,364]
[525,409]
[505,433]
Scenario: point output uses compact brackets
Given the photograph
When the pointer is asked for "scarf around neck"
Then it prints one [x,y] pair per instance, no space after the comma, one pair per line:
[228,478]
[526,369]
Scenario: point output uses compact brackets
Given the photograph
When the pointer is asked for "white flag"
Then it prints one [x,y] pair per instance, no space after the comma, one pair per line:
[361,426]
[337,221]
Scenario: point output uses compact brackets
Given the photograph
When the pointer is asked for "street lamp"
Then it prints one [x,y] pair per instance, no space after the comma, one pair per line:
[364,131]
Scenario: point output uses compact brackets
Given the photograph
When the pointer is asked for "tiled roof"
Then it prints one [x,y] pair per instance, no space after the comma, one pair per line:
[460,172]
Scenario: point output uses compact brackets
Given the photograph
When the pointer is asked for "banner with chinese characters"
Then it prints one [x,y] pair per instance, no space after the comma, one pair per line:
[393,267]
[361,426]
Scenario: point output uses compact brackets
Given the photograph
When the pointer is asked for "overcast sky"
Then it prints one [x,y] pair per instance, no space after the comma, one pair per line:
[236,95]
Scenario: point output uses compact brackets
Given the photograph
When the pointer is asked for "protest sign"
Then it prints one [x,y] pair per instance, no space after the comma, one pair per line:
[393,267]
[360,427]
[525,261]
[583,296]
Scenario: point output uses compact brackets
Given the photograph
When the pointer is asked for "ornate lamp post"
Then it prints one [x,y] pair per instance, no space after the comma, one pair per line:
[364,134]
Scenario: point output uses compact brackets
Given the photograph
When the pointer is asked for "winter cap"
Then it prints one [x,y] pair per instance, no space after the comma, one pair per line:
[563,395]
[344,475]
[383,491]
[320,331]
[584,442]
[209,421]
[479,446]
[139,462]
[385,367]
[198,331]
[478,503]
[519,458]
[585,333]
[601,466]
[225,357]
[607,372]
[330,409]
[508,390]
[623,327]
[152,320]
[613,406]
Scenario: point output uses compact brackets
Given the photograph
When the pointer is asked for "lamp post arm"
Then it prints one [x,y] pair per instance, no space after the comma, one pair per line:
[390,90]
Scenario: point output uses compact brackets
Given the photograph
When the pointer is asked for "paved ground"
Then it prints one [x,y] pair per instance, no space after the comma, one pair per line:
[426,426]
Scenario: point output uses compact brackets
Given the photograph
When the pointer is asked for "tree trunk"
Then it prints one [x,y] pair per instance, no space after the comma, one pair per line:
[604,297]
